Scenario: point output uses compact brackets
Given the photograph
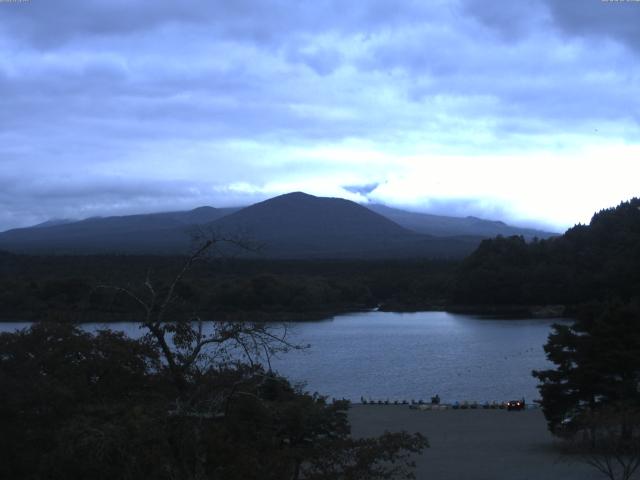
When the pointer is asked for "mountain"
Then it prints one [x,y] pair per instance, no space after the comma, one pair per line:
[299,225]
[166,232]
[294,225]
[444,226]
[53,222]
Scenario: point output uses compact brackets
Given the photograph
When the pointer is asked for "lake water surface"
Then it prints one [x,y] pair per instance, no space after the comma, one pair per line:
[386,355]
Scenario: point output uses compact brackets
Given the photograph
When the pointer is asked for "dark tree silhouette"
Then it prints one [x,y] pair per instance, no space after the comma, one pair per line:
[592,397]
[189,400]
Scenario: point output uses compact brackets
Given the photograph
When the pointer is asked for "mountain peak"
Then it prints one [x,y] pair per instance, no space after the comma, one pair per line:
[293,196]
[204,208]
[297,194]
[298,224]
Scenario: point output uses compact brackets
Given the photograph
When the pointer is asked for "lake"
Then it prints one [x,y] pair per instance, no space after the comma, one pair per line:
[405,356]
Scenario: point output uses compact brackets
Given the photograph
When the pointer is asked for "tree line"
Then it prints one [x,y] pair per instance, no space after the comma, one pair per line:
[64,288]
[191,399]
[591,396]
[594,262]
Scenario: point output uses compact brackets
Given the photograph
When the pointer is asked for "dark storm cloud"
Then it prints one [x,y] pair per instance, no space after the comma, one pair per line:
[439,62]
[512,20]
[618,21]
[510,68]
[49,24]
[117,105]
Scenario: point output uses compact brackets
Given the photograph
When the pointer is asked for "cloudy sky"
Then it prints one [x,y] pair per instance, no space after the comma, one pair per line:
[525,111]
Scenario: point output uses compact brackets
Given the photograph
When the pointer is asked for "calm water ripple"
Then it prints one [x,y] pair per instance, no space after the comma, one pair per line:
[396,356]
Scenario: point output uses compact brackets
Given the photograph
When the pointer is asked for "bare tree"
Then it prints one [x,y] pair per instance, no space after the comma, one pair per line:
[188,344]
[220,414]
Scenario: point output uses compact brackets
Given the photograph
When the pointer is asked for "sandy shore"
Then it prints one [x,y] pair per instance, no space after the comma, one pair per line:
[476,444]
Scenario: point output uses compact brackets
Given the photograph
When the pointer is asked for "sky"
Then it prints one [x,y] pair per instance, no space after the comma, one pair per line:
[522,111]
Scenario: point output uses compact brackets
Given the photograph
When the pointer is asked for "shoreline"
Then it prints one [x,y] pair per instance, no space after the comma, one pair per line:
[427,406]
[493,312]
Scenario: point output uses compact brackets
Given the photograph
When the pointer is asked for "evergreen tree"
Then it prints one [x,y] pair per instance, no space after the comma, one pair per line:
[597,362]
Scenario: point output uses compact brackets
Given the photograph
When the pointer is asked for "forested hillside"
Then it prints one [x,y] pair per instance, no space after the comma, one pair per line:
[588,263]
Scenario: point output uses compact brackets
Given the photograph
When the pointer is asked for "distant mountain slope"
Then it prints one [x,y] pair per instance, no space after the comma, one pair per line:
[165,232]
[445,226]
[53,222]
[301,225]
[294,225]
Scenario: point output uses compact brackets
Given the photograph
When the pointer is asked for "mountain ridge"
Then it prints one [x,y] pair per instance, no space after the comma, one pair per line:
[296,225]
[443,225]
[299,225]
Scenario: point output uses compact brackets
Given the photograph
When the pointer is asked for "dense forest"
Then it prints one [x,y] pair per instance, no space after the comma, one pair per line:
[588,263]
[70,287]
[591,396]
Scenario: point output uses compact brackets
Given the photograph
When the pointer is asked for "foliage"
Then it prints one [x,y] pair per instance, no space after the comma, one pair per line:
[63,288]
[597,362]
[76,405]
[62,389]
[188,401]
[594,262]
